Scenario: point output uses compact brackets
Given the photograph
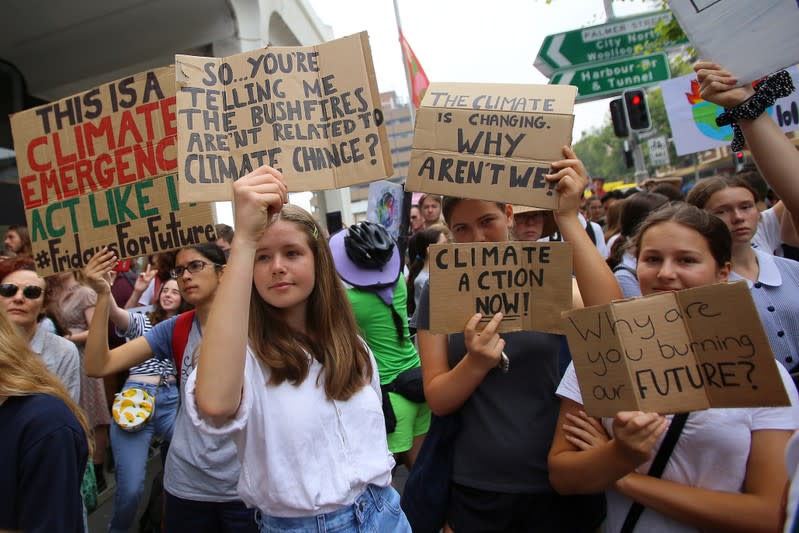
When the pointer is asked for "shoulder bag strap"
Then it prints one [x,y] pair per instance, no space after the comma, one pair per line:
[657,468]
[180,337]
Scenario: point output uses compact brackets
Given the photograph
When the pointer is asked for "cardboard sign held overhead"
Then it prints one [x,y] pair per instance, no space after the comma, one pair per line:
[674,352]
[100,169]
[530,283]
[749,39]
[491,141]
[313,112]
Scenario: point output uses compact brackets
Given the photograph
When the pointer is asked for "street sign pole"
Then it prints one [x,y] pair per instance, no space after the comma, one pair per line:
[641,174]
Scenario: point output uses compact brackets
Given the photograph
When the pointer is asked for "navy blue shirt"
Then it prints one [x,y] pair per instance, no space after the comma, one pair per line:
[43,453]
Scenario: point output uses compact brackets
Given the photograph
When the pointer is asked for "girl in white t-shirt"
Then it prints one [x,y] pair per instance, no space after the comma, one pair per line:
[283,371]
[726,471]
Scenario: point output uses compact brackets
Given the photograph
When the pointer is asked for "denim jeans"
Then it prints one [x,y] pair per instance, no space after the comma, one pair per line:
[207,517]
[130,452]
[376,510]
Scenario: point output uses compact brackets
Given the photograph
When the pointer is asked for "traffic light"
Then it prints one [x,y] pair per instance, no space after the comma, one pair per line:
[738,161]
[619,118]
[637,110]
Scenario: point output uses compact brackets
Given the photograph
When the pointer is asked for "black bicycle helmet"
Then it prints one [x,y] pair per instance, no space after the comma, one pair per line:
[368,245]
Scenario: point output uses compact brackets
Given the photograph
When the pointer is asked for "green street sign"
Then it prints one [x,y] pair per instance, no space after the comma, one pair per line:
[613,77]
[605,42]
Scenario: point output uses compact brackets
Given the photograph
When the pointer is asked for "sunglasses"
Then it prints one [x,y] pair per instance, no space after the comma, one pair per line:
[31,292]
[193,267]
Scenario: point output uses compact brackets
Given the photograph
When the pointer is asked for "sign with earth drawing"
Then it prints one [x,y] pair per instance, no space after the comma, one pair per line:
[693,120]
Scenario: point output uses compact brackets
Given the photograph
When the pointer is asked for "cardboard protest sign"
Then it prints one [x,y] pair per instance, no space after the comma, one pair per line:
[674,352]
[491,141]
[313,112]
[530,283]
[749,39]
[693,119]
[384,205]
[100,169]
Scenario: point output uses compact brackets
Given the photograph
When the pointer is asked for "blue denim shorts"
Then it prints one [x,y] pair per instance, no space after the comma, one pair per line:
[376,510]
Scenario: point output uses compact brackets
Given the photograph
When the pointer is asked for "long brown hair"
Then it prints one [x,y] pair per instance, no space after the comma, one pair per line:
[705,188]
[23,373]
[331,338]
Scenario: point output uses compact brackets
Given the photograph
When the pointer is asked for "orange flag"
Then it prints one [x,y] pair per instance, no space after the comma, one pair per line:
[419,81]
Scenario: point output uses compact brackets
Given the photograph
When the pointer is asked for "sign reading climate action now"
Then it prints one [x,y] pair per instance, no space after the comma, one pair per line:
[312,112]
[530,283]
[674,352]
[99,169]
[491,141]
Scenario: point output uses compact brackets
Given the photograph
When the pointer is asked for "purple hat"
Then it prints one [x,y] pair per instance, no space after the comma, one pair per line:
[379,277]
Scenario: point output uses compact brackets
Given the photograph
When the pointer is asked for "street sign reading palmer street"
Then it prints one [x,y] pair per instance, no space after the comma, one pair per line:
[614,40]
[599,80]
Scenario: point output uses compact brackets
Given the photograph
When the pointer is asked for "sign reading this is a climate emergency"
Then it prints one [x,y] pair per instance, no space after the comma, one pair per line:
[100,169]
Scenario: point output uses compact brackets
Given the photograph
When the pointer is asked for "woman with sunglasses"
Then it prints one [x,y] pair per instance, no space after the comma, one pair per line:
[157,377]
[202,471]
[24,295]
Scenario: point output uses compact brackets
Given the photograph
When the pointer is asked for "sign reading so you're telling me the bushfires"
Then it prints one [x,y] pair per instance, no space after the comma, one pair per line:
[530,283]
[312,112]
[674,352]
[100,169]
[491,141]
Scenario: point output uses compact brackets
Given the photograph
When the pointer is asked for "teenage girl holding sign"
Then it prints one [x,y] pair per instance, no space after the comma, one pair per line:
[725,472]
[283,371]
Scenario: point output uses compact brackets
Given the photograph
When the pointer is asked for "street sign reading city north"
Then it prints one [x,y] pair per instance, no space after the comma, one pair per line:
[603,79]
[604,42]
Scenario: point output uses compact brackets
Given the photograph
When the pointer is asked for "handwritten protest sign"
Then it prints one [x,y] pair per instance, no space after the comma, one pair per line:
[530,283]
[674,352]
[99,169]
[750,39]
[491,141]
[313,112]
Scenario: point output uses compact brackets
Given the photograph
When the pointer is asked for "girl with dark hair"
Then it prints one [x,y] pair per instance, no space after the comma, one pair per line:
[45,444]
[283,371]
[499,477]
[725,472]
[156,377]
[201,470]
[621,260]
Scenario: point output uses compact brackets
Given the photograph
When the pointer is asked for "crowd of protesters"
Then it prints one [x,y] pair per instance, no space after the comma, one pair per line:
[283,375]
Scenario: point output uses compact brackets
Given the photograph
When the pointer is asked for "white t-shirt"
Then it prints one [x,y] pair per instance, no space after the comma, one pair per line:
[712,452]
[768,237]
[302,454]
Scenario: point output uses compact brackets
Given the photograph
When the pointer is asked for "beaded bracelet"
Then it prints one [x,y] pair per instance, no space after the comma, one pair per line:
[778,85]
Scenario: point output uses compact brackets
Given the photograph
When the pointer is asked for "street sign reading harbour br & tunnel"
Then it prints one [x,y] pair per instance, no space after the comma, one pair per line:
[605,79]
[605,42]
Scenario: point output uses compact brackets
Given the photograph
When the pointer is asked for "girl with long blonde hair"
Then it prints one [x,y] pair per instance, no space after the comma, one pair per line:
[45,443]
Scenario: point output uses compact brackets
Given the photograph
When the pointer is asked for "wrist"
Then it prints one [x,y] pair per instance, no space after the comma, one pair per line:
[478,366]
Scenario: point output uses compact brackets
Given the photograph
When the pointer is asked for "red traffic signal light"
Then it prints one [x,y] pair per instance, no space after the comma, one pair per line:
[637,110]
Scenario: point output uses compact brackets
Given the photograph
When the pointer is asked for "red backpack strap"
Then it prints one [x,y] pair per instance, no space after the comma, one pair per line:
[180,337]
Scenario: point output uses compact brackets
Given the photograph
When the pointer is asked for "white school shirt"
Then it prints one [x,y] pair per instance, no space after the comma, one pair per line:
[302,454]
[712,452]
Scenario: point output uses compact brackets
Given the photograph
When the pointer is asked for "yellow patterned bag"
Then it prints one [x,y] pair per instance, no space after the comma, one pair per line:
[132,409]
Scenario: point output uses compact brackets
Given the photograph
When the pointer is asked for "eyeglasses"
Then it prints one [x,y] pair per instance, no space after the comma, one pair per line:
[193,267]
[31,292]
